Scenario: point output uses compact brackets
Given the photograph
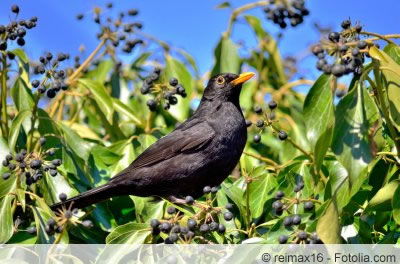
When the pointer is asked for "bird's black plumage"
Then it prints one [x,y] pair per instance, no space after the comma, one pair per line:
[200,152]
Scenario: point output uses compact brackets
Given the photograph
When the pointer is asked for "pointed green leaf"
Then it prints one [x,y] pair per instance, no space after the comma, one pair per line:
[16,126]
[75,142]
[226,57]
[328,226]
[102,98]
[22,95]
[396,205]
[382,200]
[350,142]
[6,223]
[126,111]
[131,233]
[261,190]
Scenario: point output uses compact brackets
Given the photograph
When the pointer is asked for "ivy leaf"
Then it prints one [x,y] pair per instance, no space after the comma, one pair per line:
[319,117]
[6,223]
[75,142]
[22,95]
[126,111]
[391,81]
[16,126]
[102,98]
[328,227]
[131,233]
[382,200]
[226,57]
[350,143]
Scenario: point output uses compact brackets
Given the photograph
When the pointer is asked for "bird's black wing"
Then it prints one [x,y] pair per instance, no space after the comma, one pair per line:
[184,139]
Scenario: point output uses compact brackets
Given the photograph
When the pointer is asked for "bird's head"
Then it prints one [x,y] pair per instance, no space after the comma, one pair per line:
[226,86]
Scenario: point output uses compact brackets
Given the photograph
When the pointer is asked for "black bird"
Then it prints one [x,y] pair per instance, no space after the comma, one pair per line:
[200,152]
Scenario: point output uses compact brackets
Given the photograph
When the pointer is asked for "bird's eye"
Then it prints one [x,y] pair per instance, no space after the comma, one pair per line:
[220,80]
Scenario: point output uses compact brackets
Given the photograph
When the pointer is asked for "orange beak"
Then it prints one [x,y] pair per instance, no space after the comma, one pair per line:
[243,78]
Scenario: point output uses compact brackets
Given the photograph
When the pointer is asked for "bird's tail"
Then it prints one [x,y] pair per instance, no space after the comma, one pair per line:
[87,198]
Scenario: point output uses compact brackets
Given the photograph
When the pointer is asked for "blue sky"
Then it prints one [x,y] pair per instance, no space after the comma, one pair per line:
[193,25]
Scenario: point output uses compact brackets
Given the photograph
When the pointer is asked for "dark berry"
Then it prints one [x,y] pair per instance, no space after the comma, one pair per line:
[87,224]
[171,210]
[302,235]
[42,141]
[9,157]
[51,152]
[191,223]
[358,28]
[207,189]
[62,197]
[132,12]
[355,52]
[51,93]
[10,55]
[189,199]
[248,123]
[6,175]
[35,164]
[228,216]
[334,36]
[213,226]
[173,237]
[173,100]
[277,205]
[31,230]
[221,229]
[51,222]
[176,229]
[21,32]
[343,47]
[338,70]
[257,138]
[61,56]
[308,205]
[204,228]
[288,221]
[257,109]
[173,81]
[2,29]
[165,227]
[362,44]
[21,41]
[152,104]
[53,172]
[154,223]
[11,166]
[15,9]
[279,195]
[296,219]
[317,49]
[3,45]
[260,123]
[56,162]
[346,24]
[272,104]
[282,135]
[214,189]
[35,83]
[229,206]
[5,163]
[283,239]
[22,165]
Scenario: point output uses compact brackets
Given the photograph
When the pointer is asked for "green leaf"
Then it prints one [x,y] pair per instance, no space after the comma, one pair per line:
[261,189]
[322,146]
[226,57]
[23,65]
[124,148]
[54,186]
[328,227]
[131,233]
[350,143]
[391,72]
[102,98]
[101,71]
[177,69]
[6,223]
[75,142]
[318,109]
[393,51]
[16,126]
[146,209]
[396,205]
[126,111]
[222,5]
[382,200]
[105,154]
[22,95]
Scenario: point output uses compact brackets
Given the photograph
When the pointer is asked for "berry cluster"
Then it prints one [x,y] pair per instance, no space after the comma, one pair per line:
[118,30]
[164,92]
[346,50]
[54,78]
[60,222]
[31,167]
[268,121]
[293,221]
[183,229]
[282,12]
[15,30]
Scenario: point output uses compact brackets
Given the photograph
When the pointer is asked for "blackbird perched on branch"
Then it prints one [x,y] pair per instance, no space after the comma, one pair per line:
[200,152]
